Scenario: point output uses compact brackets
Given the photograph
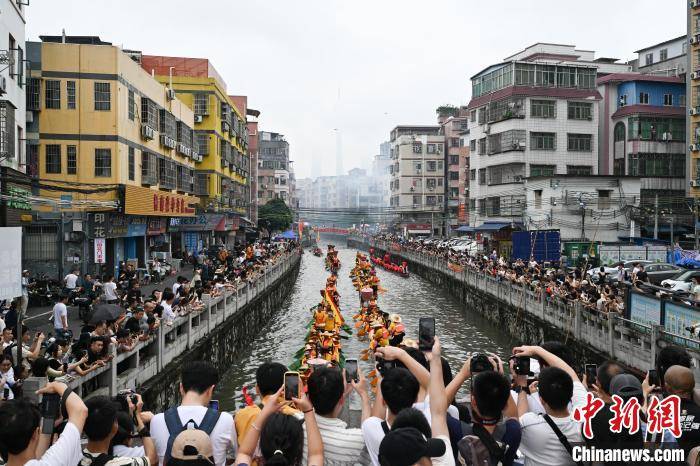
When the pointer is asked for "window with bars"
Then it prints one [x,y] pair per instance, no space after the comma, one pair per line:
[167,124]
[33,93]
[579,142]
[70,95]
[53,158]
[52,90]
[543,108]
[132,164]
[543,170]
[202,140]
[482,146]
[103,162]
[201,184]
[149,169]
[167,173]
[103,97]
[201,104]
[131,104]
[543,141]
[580,110]
[417,147]
[7,129]
[149,113]
[71,160]
[184,134]
[579,170]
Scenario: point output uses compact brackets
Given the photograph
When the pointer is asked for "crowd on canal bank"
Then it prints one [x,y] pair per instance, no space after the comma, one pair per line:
[516,414]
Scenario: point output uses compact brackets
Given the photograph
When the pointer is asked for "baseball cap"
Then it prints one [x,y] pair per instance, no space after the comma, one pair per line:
[406,445]
[625,386]
[193,445]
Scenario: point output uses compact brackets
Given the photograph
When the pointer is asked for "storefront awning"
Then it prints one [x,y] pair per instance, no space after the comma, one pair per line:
[495,226]
[465,229]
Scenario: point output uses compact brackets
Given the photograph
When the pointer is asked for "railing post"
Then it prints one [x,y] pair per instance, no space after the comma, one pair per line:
[160,348]
[655,334]
[189,330]
[113,373]
[577,321]
[209,316]
[611,335]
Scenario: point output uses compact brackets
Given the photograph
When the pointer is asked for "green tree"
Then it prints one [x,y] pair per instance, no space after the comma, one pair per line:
[447,110]
[274,216]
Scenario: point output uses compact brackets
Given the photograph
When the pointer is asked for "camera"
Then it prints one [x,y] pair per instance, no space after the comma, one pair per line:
[521,365]
[480,363]
[384,366]
[123,396]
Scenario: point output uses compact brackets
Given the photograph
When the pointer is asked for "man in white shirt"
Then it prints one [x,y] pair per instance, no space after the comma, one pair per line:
[71,280]
[60,317]
[168,299]
[327,392]
[558,386]
[110,290]
[24,442]
[196,387]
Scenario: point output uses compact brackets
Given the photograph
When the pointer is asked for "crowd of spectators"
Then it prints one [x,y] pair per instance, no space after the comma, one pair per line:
[411,417]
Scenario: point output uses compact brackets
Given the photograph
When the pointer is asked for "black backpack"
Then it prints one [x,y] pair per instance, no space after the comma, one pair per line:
[172,421]
[478,447]
[99,460]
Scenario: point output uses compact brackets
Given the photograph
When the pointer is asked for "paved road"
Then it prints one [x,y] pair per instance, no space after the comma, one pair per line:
[41,318]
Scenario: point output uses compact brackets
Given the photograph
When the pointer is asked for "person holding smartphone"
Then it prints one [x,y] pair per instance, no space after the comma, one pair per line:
[26,445]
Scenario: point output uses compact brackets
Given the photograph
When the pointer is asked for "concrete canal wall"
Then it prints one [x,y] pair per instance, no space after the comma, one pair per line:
[217,334]
[533,319]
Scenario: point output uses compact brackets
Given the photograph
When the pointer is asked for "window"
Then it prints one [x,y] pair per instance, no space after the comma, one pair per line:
[619,132]
[167,173]
[663,54]
[149,113]
[53,93]
[416,200]
[431,165]
[538,198]
[132,164]
[12,45]
[472,145]
[453,159]
[472,174]
[657,165]
[431,149]
[543,170]
[482,146]
[454,176]
[543,109]
[653,128]
[70,95]
[132,105]
[580,110]
[71,160]
[649,59]
[681,100]
[579,170]
[103,97]
[430,183]
[472,116]
[417,147]
[579,142]
[543,141]
[7,129]
[53,158]
[668,99]
[201,104]
[33,93]
[619,167]
[506,141]
[103,162]
[644,98]
[202,141]
[440,165]
[430,200]
[603,199]
[482,176]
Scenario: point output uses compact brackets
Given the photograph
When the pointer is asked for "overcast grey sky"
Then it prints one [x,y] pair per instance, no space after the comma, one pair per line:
[390,61]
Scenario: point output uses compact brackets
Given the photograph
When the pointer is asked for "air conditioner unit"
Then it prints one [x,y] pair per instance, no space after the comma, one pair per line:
[693,75]
[694,3]
[197,157]
[693,40]
[694,183]
[693,147]
[198,118]
[170,94]
[692,112]
[147,132]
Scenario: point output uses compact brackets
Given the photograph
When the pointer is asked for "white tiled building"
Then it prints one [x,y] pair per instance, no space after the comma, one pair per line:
[12,84]
[534,114]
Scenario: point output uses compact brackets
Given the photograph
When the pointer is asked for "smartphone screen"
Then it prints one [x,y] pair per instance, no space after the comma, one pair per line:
[5,393]
[351,370]
[291,385]
[426,333]
[653,377]
[591,373]
[522,365]
[50,405]
[214,404]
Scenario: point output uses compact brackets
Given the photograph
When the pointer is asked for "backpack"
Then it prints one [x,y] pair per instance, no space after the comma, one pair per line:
[480,448]
[172,421]
[99,460]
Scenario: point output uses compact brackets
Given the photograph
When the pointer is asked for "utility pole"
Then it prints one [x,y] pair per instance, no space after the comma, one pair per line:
[656,216]
[671,216]
[695,221]
[583,216]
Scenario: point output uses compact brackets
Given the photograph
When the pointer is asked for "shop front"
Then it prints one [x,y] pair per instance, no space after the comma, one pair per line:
[194,234]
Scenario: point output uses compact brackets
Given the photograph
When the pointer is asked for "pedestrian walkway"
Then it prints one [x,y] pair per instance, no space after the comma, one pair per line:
[41,318]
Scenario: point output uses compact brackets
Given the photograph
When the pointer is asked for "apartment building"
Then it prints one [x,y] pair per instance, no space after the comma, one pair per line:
[457,174]
[642,134]
[275,176]
[418,179]
[667,58]
[113,152]
[533,114]
[13,81]
[693,93]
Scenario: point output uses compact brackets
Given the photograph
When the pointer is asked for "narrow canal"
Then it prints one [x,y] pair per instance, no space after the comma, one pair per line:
[461,331]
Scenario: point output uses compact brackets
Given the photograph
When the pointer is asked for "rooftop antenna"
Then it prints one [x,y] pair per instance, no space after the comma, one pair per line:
[63,35]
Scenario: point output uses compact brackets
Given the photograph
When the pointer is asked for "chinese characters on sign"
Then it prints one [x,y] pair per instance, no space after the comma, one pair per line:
[99,250]
[662,415]
[144,201]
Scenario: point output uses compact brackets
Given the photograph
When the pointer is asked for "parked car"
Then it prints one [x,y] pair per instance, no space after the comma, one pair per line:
[611,271]
[662,271]
[681,282]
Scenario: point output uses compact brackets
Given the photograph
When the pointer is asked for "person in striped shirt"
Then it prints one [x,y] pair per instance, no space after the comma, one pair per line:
[327,391]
